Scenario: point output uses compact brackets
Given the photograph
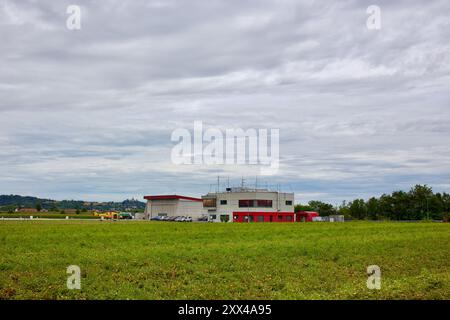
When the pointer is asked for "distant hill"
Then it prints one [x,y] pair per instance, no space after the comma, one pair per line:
[16,201]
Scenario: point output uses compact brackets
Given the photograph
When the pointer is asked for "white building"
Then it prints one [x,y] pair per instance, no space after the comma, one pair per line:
[173,206]
[249,205]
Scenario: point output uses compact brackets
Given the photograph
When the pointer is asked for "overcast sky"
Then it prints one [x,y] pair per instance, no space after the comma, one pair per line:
[88,114]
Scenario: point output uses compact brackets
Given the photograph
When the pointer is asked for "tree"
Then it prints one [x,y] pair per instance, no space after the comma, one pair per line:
[385,206]
[302,207]
[38,207]
[324,209]
[446,202]
[373,209]
[418,203]
[400,203]
[420,200]
[9,208]
[344,210]
[358,209]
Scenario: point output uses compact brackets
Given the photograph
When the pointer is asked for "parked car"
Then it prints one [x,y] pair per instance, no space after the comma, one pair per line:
[179,219]
[203,218]
[188,219]
[125,215]
[157,218]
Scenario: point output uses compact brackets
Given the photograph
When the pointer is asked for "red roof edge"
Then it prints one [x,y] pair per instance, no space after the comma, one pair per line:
[171,197]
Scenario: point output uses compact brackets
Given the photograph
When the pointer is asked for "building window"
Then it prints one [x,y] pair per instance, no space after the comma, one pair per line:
[255,203]
[245,203]
[224,218]
[209,203]
[280,218]
[289,218]
[264,203]
[251,219]
[260,218]
[289,202]
[223,202]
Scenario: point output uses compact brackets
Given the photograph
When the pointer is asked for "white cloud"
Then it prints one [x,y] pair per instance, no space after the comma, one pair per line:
[91,112]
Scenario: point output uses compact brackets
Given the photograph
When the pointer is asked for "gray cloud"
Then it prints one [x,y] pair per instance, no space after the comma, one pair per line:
[89,113]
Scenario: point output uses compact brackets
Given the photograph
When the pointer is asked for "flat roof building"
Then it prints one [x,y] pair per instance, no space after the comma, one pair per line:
[233,205]
[173,206]
[249,205]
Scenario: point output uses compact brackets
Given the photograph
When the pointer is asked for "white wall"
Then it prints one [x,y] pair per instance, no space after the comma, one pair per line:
[190,208]
[157,207]
[174,207]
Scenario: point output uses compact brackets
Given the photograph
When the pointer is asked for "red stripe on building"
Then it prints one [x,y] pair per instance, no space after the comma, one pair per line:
[239,216]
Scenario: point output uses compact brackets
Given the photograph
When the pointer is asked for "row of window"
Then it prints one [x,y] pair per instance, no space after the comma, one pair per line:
[211,203]
[255,203]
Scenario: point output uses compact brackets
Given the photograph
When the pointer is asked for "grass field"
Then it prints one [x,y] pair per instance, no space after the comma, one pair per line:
[158,260]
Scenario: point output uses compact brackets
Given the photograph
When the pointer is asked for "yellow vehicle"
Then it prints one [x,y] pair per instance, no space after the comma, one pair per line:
[107,215]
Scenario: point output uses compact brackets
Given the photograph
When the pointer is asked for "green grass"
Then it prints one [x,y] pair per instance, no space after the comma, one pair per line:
[157,260]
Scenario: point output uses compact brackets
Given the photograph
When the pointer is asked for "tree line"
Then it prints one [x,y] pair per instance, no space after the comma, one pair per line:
[419,203]
[8,203]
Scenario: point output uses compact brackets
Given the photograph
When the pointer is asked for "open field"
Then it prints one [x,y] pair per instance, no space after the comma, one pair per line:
[158,260]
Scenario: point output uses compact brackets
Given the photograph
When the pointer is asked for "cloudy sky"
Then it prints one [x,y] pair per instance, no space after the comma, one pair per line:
[88,114]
